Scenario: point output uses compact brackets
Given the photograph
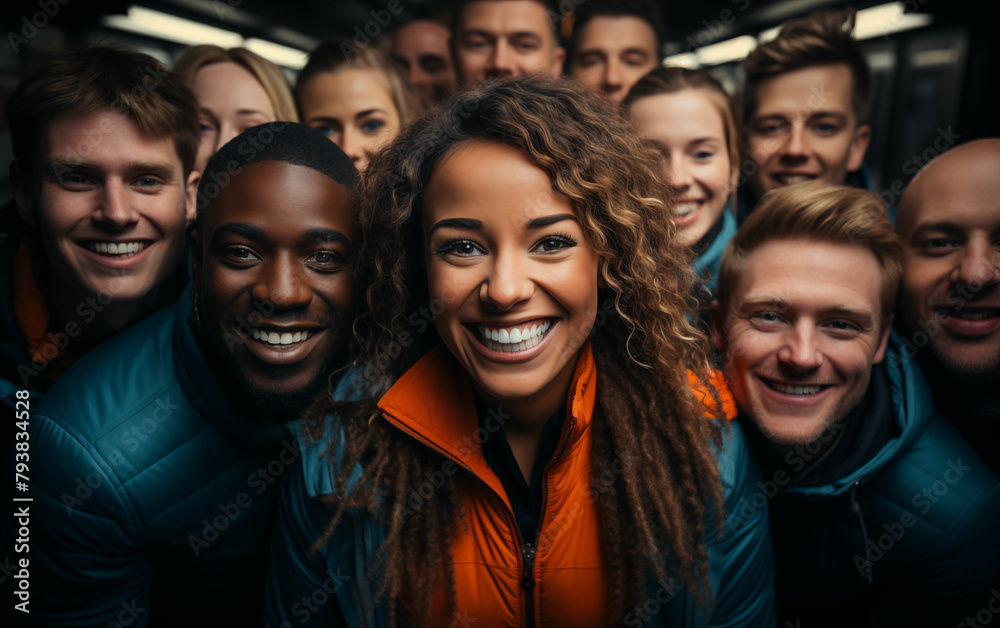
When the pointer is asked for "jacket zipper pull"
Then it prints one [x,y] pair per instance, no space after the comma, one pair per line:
[528,553]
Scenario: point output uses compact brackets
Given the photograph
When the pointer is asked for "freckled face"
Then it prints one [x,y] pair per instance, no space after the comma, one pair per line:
[802,330]
[354,108]
[276,260]
[507,258]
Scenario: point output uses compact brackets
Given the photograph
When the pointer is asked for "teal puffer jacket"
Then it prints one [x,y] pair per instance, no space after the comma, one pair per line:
[152,491]
[907,539]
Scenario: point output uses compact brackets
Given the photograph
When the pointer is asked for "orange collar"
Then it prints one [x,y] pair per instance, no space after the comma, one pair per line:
[433,402]
[33,316]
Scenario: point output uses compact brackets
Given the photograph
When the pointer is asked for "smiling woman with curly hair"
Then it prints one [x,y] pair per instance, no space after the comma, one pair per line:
[541,440]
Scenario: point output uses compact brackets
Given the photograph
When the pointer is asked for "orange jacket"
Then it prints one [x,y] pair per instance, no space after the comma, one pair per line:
[498,582]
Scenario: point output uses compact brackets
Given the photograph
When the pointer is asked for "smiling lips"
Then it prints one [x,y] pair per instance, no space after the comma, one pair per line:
[787,178]
[972,321]
[790,389]
[279,339]
[512,338]
[121,250]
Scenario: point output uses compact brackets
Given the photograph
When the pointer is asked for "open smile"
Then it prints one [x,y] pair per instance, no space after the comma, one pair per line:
[794,393]
[971,321]
[512,343]
[787,178]
[283,345]
[117,254]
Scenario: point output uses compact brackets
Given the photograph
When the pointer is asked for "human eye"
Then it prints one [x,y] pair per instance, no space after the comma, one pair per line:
[148,182]
[372,126]
[766,319]
[77,180]
[842,325]
[938,246]
[459,248]
[526,45]
[704,155]
[553,244]
[239,255]
[771,127]
[326,260]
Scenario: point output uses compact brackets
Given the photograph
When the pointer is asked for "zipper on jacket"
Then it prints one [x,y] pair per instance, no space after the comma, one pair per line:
[866,572]
[528,582]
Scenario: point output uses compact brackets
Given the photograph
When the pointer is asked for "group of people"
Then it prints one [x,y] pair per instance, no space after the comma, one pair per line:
[441,337]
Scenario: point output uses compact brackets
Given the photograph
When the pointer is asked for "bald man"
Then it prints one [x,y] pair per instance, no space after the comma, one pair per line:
[949,221]
[420,49]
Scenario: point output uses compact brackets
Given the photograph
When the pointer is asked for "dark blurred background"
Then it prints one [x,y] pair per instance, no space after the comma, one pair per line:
[934,61]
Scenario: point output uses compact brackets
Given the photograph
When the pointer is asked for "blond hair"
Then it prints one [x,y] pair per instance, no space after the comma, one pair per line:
[823,212]
[270,76]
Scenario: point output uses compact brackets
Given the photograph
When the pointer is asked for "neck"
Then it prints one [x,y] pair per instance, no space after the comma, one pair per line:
[93,314]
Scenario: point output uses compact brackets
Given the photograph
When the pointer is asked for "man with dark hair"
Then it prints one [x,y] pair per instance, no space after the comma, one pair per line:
[421,50]
[505,38]
[104,142]
[949,222]
[153,461]
[881,514]
[806,98]
[614,44]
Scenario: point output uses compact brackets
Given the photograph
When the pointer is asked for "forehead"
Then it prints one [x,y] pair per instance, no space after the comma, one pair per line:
[800,93]
[506,17]
[349,90]
[620,32]
[104,136]
[963,193]
[420,38]
[685,115]
[492,182]
[229,83]
[283,199]
[810,275]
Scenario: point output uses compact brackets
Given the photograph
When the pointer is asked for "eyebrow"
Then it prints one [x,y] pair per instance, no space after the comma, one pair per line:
[328,236]
[545,221]
[162,168]
[368,112]
[457,223]
[240,229]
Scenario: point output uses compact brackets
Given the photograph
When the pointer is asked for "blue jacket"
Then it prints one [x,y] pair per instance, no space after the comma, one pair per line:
[909,538]
[152,491]
[330,587]
[706,265]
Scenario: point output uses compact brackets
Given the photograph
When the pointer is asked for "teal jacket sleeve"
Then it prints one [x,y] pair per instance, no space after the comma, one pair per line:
[741,559]
[85,557]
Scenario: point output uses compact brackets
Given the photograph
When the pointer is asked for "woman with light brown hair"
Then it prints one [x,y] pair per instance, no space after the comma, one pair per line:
[356,96]
[533,436]
[236,89]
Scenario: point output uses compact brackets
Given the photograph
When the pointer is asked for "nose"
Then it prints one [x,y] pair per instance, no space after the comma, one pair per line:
[502,61]
[507,284]
[978,266]
[282,284]
[612,77]
[226,133]
[797,145]
[353,146]
[679,174]
[801,349]
[113,209]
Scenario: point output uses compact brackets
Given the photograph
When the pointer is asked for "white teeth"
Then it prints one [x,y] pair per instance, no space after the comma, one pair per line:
[286,338]
[789,179]
[513,339]
[795,390]
[979,315]
[683,209]
[123,249]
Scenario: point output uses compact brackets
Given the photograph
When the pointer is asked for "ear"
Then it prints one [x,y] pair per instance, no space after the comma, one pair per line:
[23,197]
[191,196]
[558,57]
[717,329]
[858,148]
[883,341]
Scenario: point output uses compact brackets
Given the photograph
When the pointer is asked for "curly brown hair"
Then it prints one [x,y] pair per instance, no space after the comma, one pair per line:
[651,435]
